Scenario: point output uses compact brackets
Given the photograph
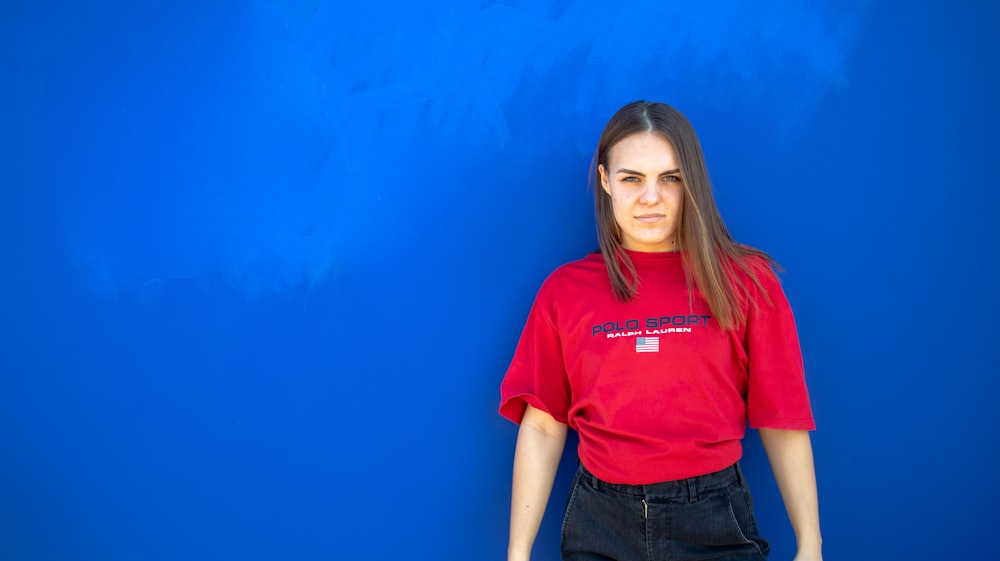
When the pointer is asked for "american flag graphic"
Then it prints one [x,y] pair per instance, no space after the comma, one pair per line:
[647,344]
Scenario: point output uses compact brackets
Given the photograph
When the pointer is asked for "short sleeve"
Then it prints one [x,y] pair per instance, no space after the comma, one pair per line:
[777,396]
[537,373]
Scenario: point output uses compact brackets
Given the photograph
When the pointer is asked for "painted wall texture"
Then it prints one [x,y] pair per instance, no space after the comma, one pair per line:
[265,263]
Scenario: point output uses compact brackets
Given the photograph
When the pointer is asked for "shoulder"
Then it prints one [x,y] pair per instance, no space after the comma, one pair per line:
[756,274]
[570,279]
[752,262]
[585,267]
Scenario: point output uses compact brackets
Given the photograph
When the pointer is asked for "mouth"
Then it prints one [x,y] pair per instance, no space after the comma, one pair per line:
[649,217]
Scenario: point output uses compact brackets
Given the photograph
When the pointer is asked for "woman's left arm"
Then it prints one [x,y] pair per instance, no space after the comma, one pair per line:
[791,457]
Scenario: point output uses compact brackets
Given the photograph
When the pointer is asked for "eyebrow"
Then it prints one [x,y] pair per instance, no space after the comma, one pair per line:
[633,172]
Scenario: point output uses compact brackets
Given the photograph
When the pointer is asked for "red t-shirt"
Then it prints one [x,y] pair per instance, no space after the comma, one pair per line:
[655,388]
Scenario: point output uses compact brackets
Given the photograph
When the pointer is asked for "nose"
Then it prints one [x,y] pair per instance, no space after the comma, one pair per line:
[649,194]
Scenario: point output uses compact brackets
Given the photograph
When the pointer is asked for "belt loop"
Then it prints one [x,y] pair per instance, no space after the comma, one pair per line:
[593,479]
[692,485]
[739,473]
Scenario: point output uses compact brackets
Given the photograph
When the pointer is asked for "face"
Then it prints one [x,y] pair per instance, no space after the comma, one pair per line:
[644,181]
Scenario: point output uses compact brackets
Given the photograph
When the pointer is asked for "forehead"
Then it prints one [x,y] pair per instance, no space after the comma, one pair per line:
[643,149]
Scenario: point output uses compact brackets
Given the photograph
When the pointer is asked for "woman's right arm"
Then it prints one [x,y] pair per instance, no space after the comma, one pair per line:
[540,442]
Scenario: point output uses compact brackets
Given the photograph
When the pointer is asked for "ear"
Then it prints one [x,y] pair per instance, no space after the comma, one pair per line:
[604,178]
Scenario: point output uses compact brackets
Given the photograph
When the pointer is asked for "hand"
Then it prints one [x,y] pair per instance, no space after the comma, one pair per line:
[518,556]
[809,556]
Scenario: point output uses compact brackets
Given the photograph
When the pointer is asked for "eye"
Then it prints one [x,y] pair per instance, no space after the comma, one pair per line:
[630,179]
[670,178]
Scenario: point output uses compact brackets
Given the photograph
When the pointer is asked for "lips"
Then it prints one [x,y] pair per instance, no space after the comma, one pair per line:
[649,217]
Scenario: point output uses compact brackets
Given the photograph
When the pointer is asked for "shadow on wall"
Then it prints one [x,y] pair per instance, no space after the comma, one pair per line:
[257,154]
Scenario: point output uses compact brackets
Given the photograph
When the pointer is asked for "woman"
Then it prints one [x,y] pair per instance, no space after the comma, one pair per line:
[658,350]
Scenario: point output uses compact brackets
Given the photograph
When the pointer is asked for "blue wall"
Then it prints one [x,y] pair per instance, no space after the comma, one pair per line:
[264,263]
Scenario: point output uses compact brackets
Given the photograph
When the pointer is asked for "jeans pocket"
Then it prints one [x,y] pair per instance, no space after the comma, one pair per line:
[571,501]
[710,522]
[741,510]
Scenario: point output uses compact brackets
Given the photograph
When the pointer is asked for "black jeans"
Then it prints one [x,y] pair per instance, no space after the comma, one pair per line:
[709,517]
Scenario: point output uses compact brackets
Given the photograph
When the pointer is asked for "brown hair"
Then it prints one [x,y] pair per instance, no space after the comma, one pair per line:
[709,252]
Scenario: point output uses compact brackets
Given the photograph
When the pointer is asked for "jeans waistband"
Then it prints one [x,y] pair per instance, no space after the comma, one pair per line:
[680,489]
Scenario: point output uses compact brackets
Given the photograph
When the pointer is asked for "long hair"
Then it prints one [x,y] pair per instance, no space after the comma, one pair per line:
[709,253]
